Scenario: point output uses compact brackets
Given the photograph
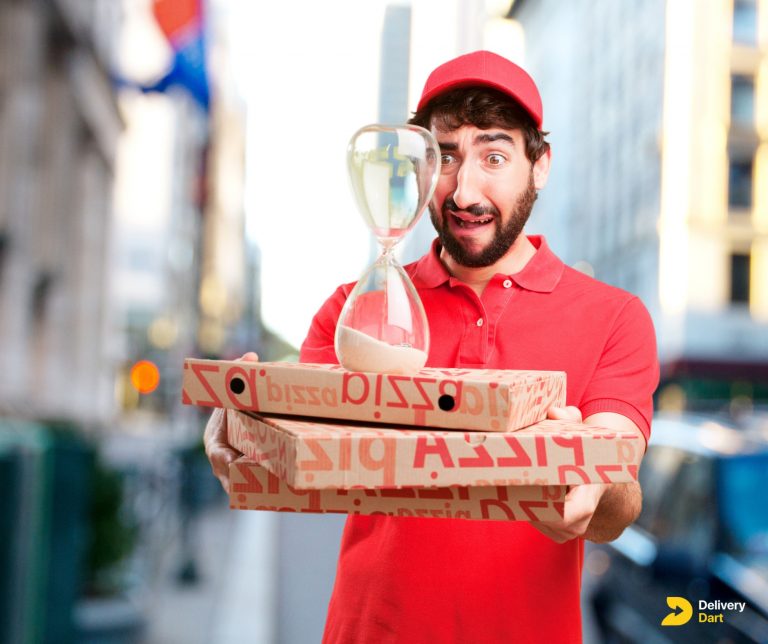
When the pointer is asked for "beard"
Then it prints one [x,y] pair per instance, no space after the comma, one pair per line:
[503,238]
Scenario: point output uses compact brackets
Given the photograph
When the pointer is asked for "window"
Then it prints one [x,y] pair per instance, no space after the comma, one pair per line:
[686,524]
[745,22]
[678,488]
[41,292]
[5,239]
[742,486]
[657,472]
[740,183]
[742,100]
[740,278]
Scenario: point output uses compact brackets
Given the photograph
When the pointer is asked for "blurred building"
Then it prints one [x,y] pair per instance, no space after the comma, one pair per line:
[187,278]
[393,81]
[395,56]
[159,200]
[59,126]
[229,269]
[659,119]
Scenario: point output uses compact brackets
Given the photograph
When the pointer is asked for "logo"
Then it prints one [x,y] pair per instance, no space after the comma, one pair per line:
[682,612]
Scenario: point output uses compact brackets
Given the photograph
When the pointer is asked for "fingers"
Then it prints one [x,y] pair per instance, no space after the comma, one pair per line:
[577,510]
[565,413]
[548,530]
[581,501]
[220,459]
[217,448]
[215,429]
[560,531]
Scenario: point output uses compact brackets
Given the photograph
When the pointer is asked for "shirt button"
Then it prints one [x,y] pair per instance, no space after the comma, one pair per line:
[479,322]
[507,283]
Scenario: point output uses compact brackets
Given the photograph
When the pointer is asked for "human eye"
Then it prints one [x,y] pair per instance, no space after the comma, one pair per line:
[448,163]
[496,159]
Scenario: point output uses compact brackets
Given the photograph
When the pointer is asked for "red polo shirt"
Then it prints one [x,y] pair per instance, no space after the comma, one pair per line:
[413,580]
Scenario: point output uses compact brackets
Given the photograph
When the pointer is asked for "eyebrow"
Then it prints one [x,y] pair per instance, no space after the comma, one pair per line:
[446,146]
[496,136]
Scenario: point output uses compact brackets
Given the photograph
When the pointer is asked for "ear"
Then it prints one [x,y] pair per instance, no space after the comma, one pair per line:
[541,170]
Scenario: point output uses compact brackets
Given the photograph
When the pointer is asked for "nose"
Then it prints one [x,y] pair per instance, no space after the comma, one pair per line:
[468,187]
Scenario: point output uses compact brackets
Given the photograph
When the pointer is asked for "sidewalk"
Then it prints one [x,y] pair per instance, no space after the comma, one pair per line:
[257,577]
[232,600]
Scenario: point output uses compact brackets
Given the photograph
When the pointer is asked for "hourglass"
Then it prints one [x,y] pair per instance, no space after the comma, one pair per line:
[382,327]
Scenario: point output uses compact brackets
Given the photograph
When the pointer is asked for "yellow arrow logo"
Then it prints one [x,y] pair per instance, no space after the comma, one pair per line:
[683,611]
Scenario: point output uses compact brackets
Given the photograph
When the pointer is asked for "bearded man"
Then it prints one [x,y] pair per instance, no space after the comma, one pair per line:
[495,299]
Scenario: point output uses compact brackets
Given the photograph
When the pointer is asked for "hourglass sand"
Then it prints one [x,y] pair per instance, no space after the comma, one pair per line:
[382,327]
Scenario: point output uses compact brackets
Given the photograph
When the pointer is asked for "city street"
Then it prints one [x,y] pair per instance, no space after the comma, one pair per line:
[574,189]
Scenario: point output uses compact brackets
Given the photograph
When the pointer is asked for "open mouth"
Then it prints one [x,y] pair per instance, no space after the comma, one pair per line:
[474,222]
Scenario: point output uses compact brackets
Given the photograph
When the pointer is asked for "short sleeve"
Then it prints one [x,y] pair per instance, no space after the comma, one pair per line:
[627,372]
[318,345]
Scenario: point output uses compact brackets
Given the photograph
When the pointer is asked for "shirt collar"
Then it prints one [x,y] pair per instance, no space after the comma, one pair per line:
[541,274]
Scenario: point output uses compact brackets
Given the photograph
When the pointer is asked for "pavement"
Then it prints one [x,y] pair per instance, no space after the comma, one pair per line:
[223,576]
[260,577]
[231,600]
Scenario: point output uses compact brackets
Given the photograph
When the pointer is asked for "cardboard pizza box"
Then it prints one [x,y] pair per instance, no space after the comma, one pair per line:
[467,399]
[311,454]
[255,488]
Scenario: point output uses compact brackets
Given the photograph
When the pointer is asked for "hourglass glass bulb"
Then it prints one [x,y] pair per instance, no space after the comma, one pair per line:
[382,327]
[394,172]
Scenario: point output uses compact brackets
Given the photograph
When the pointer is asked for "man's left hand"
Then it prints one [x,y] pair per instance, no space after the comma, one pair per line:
[582,501]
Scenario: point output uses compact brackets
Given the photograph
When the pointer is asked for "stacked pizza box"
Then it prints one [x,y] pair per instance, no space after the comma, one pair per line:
[455,443]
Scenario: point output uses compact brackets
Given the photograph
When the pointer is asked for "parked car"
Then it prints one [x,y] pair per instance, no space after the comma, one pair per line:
[702,536]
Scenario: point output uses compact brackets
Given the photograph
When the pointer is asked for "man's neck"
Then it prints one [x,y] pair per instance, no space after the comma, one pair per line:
[519,254]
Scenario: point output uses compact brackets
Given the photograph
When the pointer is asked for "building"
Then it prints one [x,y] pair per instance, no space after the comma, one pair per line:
[658,118]
[186,279]
[159,200]
[59,126]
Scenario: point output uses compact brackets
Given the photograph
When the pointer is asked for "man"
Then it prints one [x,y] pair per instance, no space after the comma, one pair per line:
[494,299]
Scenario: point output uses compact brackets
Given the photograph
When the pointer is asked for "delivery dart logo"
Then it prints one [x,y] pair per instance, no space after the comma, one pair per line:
[683,611]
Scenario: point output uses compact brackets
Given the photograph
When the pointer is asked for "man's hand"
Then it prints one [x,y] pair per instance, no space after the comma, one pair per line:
[596,511]
[217,448]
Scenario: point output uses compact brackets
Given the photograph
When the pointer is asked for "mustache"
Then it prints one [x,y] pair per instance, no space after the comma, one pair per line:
[475,209]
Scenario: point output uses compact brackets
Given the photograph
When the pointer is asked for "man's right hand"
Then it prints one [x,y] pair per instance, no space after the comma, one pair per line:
[217,448]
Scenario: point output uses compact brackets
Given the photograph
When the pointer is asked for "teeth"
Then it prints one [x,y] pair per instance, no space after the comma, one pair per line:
[463,224]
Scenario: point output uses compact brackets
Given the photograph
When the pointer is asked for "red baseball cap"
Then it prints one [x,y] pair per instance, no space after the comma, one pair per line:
[490,70]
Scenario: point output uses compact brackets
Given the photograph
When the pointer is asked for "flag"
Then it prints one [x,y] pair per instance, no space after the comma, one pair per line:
[182,23]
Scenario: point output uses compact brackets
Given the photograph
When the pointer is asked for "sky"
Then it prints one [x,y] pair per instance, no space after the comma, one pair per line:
[311,80]
[309,73]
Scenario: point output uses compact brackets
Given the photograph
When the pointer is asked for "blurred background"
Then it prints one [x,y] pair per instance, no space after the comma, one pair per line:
[173,184]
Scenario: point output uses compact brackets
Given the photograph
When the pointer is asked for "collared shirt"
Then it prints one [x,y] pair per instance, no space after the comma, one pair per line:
[547,316]
[448,580]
